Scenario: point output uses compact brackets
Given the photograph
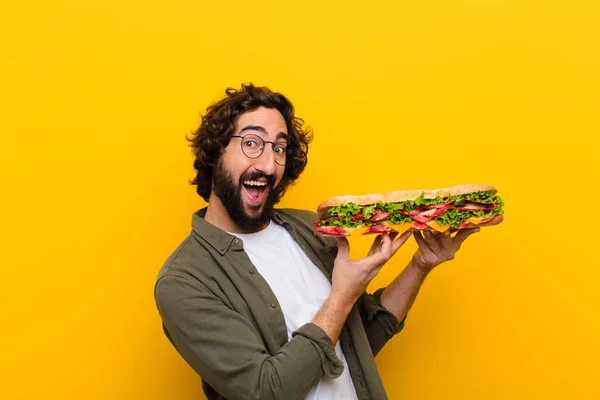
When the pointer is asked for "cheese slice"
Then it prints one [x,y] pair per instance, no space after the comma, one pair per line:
[357,231]
[474,220]
[436,225]
[400,228]
[443,228]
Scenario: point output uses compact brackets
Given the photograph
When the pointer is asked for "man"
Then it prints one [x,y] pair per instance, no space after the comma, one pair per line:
[257,304]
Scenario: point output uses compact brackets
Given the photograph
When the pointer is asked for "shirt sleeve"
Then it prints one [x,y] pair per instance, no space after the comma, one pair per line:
[227,351]
[380,324]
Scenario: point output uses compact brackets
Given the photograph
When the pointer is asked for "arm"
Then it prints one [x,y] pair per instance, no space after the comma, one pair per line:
[400,295]
[332,316]
[227,351]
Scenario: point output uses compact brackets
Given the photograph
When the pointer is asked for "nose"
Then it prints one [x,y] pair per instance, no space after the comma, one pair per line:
[265,163]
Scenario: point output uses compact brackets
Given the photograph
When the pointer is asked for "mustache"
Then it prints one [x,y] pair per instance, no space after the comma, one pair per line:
[254,176]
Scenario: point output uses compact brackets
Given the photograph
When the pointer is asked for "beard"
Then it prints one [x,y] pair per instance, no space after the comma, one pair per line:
[230,195]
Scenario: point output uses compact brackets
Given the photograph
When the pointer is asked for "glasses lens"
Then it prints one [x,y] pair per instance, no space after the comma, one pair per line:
[252,146]
[279,150]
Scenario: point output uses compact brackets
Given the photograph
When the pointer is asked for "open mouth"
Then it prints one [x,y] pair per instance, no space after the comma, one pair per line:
[256,190]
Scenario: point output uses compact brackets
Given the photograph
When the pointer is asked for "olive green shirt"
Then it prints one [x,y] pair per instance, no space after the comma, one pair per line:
[224,320]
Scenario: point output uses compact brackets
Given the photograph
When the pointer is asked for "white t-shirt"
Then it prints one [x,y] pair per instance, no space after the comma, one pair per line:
[301,289]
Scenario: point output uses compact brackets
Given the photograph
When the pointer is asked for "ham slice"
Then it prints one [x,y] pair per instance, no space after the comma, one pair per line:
[468,224]
[420,226]
[444,206]
[332,230]
[425,215]
[378,229]
[486,220]
[464,225]
[379,216]
[474,206]
[357,216]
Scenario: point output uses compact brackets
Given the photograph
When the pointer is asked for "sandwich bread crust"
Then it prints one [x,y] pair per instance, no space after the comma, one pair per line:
[401,195]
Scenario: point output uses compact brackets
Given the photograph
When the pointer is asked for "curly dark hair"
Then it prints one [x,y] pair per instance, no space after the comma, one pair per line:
[218,124]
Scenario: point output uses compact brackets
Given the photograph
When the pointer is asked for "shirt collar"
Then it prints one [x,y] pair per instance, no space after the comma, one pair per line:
[220,240]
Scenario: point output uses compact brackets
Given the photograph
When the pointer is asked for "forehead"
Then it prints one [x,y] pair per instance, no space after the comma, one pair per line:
[269,119]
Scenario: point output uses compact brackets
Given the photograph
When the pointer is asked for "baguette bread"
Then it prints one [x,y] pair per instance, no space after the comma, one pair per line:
[400,195]
[420,217]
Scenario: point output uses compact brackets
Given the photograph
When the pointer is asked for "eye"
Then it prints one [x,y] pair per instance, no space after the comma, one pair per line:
[250,143]
[279,148]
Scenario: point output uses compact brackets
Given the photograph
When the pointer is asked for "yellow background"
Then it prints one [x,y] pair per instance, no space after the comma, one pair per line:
[96,98]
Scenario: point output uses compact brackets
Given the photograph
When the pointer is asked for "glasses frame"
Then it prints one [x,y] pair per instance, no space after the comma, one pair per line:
[262,148]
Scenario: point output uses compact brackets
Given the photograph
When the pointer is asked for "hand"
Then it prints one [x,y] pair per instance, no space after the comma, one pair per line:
[436,248]
[351,277]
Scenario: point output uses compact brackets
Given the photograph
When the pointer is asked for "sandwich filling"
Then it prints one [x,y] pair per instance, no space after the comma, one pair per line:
[440,213]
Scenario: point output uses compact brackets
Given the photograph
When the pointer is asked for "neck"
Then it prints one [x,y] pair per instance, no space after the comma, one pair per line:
[218,216]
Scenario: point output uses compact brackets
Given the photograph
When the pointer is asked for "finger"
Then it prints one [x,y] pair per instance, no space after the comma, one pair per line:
[420,240]
[429,236]
[386,244]
[397,243]
[445,240]
[432,241]
[381,256]
[375,245]
[463,235]
[343,247]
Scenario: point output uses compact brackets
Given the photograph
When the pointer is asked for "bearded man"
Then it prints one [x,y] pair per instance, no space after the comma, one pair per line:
[256,303]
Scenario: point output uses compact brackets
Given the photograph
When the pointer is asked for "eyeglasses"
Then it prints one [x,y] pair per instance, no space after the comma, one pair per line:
[253,146]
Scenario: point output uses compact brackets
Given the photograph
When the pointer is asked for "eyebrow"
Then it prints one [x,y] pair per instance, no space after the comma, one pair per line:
[262,130]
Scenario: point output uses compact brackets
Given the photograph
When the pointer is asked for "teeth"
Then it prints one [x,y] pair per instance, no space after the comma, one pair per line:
[254,183]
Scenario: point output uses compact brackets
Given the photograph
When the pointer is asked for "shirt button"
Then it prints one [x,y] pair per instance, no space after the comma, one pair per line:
[274,304]
[223,247]
[252,270]
[236,241]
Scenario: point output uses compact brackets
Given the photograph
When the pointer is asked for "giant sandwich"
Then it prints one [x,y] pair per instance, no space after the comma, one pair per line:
[451,208]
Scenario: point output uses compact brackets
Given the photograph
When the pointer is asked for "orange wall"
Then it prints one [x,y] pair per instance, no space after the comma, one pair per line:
[97,96]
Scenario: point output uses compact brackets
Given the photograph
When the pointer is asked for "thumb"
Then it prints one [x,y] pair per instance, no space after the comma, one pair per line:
[343,247]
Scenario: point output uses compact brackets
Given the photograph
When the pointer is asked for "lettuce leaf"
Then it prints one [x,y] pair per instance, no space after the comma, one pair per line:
[454,217]
[343,213]
[398,218]
[346,222]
